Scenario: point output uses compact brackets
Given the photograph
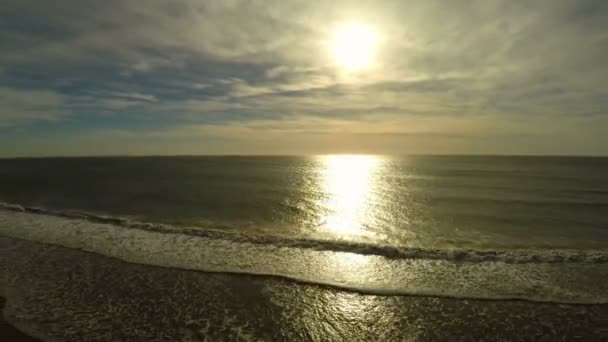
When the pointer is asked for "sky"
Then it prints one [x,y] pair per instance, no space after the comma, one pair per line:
[125,77]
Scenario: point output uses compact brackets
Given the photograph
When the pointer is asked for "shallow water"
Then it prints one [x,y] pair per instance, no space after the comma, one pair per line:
[64,294]
[561,276]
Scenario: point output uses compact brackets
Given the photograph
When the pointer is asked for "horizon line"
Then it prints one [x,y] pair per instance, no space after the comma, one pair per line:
[301,155]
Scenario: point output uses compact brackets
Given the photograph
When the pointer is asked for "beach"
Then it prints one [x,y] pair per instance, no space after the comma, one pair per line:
[57,293]
[304,170]
[9,332]
[320,248]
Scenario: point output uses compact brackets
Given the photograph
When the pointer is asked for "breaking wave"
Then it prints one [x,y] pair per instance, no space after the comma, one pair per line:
[516,256]
[559,276]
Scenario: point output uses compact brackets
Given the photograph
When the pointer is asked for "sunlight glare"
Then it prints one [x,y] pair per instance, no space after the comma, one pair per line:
[354,46]
[348,180]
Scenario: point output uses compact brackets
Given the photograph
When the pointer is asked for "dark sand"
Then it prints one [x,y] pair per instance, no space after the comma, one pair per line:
[66,294]
[10,333]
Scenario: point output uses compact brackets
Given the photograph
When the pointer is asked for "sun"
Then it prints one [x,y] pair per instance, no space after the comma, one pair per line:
[354,46]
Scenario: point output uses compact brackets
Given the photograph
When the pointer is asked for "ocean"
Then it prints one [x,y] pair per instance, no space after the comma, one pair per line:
[307,248]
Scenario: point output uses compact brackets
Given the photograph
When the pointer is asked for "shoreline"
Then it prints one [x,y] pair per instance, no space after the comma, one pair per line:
[69,294]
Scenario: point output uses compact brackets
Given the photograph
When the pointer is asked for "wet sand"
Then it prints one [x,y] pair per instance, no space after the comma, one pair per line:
[9,332]
[65,294]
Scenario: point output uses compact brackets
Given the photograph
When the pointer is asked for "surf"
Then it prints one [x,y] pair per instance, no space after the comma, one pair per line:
[392,252]
[551,276]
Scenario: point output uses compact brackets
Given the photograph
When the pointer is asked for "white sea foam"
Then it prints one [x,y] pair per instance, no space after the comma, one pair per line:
[391,252]
[572,280]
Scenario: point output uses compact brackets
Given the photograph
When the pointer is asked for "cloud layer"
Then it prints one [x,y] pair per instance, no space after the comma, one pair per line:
[257,77]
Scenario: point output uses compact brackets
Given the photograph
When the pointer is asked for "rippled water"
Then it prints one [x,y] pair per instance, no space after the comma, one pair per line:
[429,202]
[450,230]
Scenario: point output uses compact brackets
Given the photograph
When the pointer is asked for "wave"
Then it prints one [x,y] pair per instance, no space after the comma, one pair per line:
[551,276]
[516,256]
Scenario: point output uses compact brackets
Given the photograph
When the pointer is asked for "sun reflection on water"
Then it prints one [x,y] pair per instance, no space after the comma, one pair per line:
[349,182]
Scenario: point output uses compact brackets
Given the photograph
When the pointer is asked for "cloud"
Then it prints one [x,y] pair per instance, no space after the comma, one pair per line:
[23,106]
[151,67]
[309,135]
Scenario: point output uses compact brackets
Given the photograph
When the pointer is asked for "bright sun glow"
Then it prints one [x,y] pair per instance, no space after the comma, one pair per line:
[354,46]
[349,182]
